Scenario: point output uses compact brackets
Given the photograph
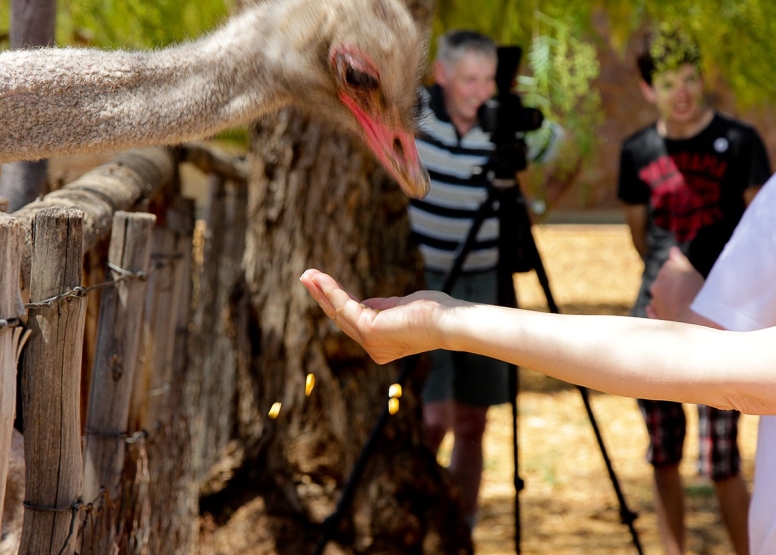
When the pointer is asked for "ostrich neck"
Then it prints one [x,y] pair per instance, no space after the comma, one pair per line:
[67,101]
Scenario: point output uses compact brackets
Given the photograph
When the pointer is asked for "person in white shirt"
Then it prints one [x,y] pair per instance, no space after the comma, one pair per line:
[738,295]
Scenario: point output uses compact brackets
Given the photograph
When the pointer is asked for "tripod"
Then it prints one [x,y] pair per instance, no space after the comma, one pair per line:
[518,253]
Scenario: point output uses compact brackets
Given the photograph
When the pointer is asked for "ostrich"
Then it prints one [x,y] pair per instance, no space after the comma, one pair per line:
[355,63]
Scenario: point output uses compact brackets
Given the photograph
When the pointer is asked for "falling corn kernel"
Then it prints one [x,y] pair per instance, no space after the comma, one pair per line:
[309,385]
[394,392]
[274,411]
[393,405]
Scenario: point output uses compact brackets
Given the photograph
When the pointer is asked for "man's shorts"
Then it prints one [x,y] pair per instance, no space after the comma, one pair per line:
[465,377]
[718,456]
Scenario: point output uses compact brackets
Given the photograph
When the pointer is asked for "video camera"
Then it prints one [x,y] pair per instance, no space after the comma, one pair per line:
[506,119]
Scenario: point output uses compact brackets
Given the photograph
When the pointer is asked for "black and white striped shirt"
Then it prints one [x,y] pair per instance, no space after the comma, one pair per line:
[441,221]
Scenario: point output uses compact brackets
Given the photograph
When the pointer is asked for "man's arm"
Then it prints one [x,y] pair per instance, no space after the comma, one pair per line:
[636,218]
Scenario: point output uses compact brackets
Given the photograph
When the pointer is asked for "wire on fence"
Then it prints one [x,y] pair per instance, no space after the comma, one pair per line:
[138,437]
[74,508]
[161,261]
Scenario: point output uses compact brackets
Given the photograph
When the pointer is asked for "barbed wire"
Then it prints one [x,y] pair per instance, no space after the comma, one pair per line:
[161,261]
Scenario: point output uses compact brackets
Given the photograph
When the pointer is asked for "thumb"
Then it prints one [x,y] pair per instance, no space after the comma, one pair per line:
[677,256]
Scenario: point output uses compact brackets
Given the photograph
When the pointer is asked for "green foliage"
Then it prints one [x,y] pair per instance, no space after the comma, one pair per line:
[735,39]
[131,23]
[127,23]
[558,65]
[561,38]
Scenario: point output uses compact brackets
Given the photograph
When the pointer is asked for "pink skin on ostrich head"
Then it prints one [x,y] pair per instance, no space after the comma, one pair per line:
[395,148]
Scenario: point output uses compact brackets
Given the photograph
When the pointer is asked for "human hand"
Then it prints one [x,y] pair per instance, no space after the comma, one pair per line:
[387,328]
[676,285]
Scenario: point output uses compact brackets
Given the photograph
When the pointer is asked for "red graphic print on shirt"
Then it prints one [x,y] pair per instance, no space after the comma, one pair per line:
[686,188]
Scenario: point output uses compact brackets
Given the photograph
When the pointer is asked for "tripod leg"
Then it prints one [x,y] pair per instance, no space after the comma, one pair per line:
[508,298]
[627,516]
[514,380]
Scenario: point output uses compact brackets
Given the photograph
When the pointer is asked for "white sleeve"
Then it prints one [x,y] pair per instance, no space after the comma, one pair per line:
[740,292]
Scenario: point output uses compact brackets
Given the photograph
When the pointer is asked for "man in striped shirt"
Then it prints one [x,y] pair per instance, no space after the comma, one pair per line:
[454,148]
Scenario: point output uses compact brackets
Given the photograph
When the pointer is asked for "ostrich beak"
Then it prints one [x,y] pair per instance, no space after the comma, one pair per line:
[395,148]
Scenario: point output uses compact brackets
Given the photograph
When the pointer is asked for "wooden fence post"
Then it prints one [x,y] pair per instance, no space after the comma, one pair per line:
[115,359]
[11,309]
[152,381]
[166,486]
[213,364]
[180,525]
[51,374]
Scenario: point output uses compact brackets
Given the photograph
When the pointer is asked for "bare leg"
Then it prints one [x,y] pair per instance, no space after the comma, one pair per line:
[733,497]
[669,507]
[437,420]
[466,462]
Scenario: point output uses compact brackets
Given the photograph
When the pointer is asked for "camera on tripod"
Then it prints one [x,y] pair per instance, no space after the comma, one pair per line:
[506,119]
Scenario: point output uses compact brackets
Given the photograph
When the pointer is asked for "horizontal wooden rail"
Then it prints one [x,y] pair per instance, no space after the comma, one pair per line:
[120,184]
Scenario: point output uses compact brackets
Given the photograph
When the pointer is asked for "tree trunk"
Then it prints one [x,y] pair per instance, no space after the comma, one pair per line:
[316,201]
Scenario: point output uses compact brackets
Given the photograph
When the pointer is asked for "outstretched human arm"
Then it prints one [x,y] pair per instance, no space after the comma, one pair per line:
[608,353]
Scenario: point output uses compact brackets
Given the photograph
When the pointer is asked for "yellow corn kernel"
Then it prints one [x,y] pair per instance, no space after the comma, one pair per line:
[394,392]
[274,410]
[393,405]
[309,385]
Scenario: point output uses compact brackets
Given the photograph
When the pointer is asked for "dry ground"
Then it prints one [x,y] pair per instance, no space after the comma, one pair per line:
[568,505]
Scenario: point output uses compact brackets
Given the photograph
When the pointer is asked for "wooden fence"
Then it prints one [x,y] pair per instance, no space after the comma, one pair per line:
[110,312]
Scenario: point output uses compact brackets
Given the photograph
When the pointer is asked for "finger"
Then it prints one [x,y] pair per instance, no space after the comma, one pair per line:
[316,293]
[651,312]
[347,310]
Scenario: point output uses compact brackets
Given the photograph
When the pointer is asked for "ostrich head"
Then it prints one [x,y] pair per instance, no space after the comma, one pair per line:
[373,52]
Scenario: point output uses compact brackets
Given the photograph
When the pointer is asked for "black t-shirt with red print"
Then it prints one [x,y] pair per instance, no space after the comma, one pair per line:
[693,188]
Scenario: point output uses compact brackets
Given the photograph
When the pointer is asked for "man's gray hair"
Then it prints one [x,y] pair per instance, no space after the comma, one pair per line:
[452,45]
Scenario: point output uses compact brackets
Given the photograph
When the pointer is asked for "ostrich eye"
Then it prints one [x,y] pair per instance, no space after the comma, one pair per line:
[360,79]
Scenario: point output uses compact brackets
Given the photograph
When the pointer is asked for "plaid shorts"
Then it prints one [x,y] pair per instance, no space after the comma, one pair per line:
[718,456]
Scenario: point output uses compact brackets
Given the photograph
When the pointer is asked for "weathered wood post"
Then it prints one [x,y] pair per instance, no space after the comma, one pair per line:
[181,525]
[213,365]
[115,360]
[11,309]
[51,376]
[152,381]
[165,487]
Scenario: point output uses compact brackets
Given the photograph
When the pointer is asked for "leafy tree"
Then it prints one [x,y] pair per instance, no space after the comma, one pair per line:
[128,24]
[559,39]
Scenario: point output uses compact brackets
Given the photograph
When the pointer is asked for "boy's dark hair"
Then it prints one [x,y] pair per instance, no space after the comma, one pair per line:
[665,49]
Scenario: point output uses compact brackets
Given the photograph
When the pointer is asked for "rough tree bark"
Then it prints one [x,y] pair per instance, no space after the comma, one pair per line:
[316,200]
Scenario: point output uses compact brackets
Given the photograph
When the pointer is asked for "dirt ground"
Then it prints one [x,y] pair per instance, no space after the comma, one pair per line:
[568,505]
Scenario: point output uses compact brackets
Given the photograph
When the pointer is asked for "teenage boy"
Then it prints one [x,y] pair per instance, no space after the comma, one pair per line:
[685,181]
